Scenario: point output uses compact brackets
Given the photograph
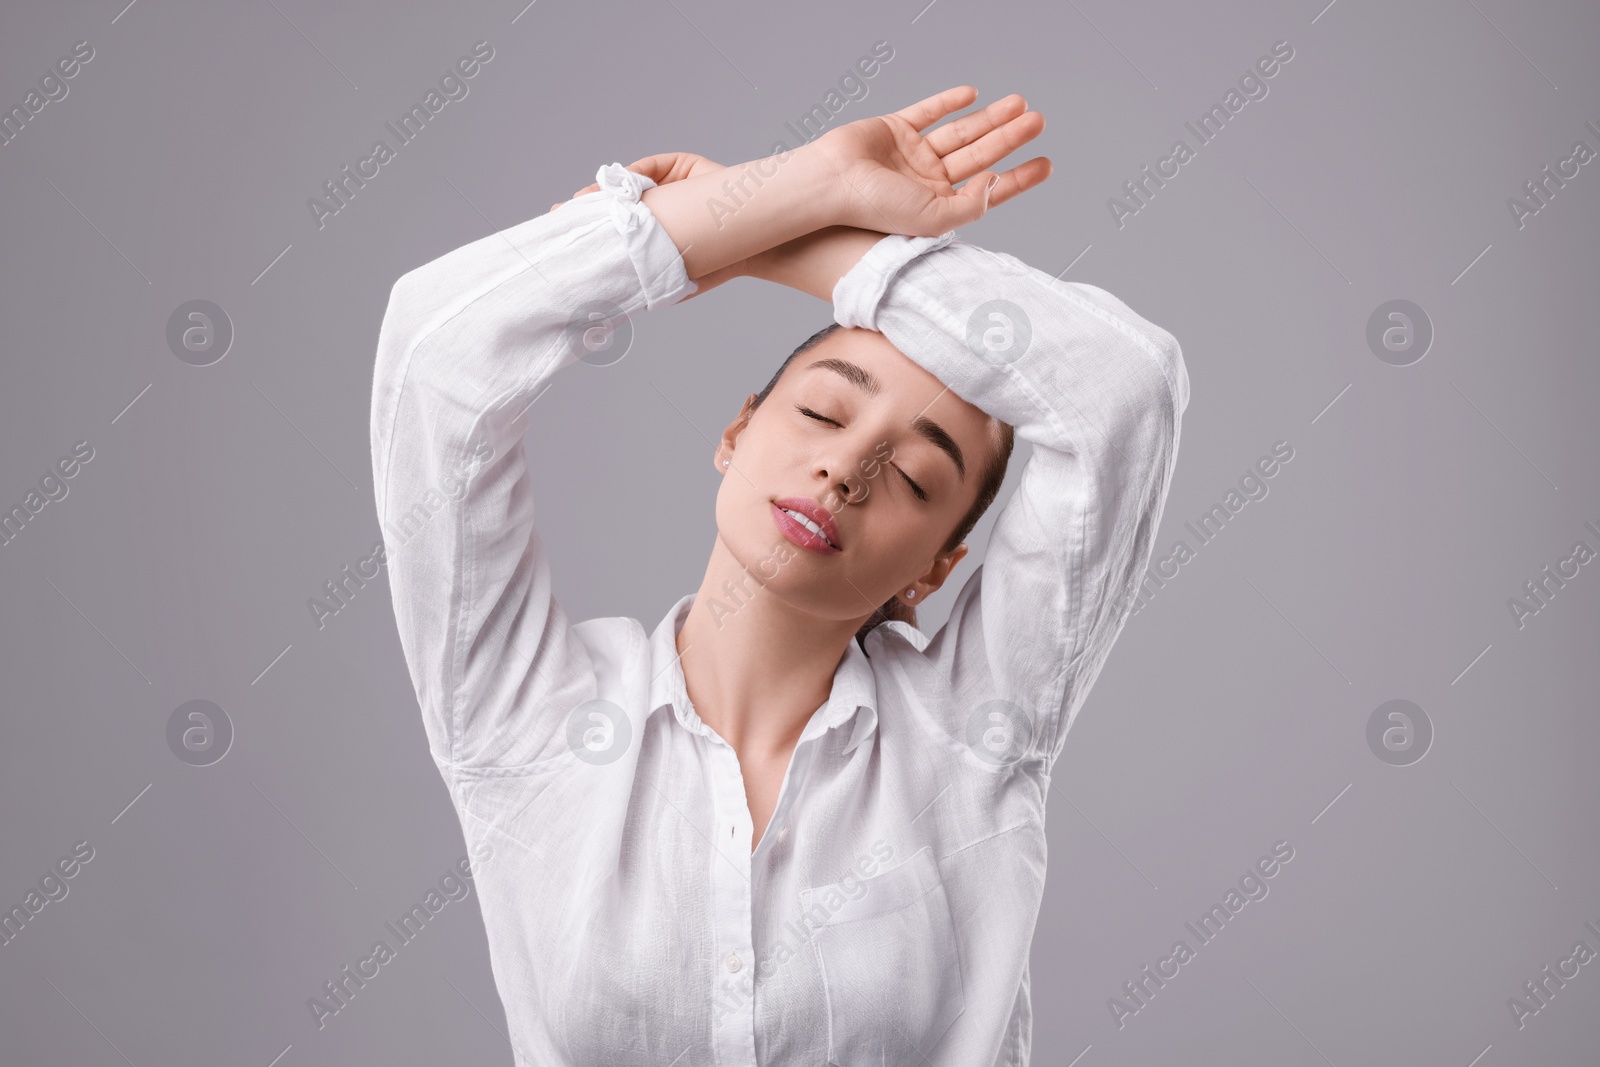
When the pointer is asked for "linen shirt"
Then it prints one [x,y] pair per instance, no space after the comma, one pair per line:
[886,915]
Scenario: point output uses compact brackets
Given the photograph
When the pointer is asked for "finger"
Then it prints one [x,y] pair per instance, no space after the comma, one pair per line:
[925,113]
[993,146]
[653,167]
[590,188]
[656,167]
[957,133]
[1020,179]
[659,168]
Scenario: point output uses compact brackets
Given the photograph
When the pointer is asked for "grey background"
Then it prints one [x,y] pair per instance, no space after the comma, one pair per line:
[1233,711]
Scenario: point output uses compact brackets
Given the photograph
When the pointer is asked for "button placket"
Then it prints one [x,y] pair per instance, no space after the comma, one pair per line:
[793,783]
[733,908]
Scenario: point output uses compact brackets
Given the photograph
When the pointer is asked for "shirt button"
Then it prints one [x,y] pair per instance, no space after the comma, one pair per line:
[734,963]
[783,835]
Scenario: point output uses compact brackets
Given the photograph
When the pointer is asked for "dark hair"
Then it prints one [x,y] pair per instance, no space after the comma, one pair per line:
[993,475]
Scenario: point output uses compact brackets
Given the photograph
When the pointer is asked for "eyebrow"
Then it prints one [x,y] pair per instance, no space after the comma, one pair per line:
[859,377]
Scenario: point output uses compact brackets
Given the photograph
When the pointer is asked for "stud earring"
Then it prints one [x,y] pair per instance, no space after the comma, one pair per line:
[910,593]
[724,463]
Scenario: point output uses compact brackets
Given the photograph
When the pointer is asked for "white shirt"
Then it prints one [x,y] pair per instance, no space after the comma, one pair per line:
[887,913]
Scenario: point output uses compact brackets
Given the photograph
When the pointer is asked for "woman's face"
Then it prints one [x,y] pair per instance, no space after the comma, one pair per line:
[856,428]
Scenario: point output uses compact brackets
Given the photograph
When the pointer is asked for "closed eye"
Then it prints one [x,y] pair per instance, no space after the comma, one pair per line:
[920,493]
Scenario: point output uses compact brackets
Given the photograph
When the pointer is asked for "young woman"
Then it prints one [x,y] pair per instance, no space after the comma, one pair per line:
[785,826]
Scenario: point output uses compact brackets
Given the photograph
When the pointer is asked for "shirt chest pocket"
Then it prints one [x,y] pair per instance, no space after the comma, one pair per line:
[891,973]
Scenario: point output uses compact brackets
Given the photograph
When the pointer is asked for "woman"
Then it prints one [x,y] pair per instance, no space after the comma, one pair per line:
[746,836]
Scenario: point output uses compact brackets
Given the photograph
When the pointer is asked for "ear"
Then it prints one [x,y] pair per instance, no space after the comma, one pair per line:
[730,434]
[930,582]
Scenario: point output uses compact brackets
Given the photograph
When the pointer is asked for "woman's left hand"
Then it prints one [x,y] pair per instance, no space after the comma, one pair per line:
[895,179]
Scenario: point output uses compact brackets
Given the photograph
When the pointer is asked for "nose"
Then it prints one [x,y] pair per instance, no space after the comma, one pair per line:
[840,479]
[840,473]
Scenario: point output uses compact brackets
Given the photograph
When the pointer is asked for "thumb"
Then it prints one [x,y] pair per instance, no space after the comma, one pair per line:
[969,204]
[590,188]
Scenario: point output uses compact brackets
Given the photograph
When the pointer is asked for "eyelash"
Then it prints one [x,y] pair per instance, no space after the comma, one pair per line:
[915,488]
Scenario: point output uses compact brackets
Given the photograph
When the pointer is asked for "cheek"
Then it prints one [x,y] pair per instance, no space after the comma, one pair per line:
[895,543]
[735,505]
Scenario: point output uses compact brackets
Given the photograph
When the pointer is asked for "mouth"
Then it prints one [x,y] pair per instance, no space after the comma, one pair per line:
[807,524]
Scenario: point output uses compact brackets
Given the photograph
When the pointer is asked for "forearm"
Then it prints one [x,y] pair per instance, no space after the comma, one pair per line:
[720,219]
[815,262]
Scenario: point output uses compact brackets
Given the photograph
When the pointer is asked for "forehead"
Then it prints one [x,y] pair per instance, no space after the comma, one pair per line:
[893,375]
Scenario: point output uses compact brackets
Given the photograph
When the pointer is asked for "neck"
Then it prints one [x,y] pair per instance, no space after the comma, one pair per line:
[756,667]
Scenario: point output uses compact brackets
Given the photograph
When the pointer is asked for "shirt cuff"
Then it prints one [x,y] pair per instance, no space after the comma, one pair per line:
[655,258]
[856,296]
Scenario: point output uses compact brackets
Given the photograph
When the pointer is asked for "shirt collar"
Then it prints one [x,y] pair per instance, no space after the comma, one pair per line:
[854,687]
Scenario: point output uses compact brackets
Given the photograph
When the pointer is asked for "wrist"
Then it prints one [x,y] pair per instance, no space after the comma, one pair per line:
[820,186]
[787,196]
[815,262]
[730,215]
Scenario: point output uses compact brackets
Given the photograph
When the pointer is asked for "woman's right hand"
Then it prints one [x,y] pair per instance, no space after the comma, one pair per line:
[663,168]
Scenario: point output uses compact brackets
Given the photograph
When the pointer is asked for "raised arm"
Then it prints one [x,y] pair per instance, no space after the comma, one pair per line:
[1094,387]
[467,345]
[470,341]
[1099,392]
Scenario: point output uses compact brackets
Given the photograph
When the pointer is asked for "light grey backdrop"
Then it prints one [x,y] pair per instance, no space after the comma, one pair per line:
[1234,713]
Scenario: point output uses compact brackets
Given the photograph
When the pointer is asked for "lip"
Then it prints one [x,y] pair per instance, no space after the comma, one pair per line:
[798,533]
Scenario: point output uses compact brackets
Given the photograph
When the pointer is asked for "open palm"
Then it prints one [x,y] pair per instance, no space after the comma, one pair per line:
[897,179]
